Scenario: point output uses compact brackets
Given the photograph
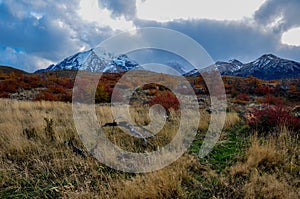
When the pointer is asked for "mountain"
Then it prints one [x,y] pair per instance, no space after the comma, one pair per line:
[266,67]
[229,67]
[225,68]
[270,67]
[176,66]
[90,61]
[8,69]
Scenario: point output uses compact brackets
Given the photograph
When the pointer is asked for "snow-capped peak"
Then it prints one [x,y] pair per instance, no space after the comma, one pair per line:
[235,62]
[267,67]
[95,60]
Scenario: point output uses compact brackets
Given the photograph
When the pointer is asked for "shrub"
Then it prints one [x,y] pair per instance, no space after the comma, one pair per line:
[47,96]
[10,86]
[4,94]
[101,94]
[67,97]
[270,118]
[166,99]
[57,89]
[243,97]
[263,90]
[271,99]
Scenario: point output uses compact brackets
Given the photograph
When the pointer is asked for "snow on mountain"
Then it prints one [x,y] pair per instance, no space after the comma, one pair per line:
[194,72]
[225,68]
[266,67]
[229,67]
[270,67]
[177,66]
[90,61]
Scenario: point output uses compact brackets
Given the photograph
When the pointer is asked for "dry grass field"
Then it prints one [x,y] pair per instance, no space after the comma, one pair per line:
[35,162]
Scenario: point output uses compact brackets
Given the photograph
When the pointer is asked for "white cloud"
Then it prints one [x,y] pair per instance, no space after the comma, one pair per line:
[30,63]
[291,37]
[168,10]
[37,15]
[41,63]
[91,12]
[277,21]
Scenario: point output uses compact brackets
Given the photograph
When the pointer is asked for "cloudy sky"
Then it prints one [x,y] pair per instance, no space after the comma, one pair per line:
[37,33]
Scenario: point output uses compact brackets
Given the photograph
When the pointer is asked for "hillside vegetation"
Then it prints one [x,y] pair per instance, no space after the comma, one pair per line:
[41,155]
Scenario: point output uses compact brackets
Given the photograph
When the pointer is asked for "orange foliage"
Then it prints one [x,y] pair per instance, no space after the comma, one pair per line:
[167,99]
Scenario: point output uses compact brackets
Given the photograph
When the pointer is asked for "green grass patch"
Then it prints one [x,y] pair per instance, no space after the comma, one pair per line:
[229,148]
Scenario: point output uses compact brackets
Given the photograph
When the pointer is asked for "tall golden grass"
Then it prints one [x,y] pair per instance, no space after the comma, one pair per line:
[271,167]
[33,165]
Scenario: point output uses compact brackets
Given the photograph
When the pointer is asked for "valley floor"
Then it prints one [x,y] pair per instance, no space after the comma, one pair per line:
[35,161]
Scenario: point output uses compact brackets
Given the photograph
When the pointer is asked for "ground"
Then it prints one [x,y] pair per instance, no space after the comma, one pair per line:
[37,162]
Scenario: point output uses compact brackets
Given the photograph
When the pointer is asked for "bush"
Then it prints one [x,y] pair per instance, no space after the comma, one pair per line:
[4,94]
[102,95]
[263,90]
[271,99]
[10,86]
[166,99]
[269,118]
[57,89]
[243,97]
[47,96]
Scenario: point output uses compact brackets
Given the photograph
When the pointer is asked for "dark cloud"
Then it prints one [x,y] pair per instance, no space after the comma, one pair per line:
[246,39]
[36,32]
[46,29]
[57,32]
[120,7]
[224,40]
[272,9]
[36,36]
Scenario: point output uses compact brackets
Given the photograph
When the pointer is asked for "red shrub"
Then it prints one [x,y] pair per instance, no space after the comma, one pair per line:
[57,89]
[166,99]
[263,90]
[271,99]
[10,86]
[243,97]
[67,97]
[269,118]
[68,83]
[47,96]
[4,94]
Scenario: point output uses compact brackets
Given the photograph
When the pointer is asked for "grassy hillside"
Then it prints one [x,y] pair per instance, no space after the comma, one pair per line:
[8,69]
[36,163]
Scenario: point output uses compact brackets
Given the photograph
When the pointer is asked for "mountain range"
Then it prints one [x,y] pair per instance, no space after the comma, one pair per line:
[91,61]
[266,67]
